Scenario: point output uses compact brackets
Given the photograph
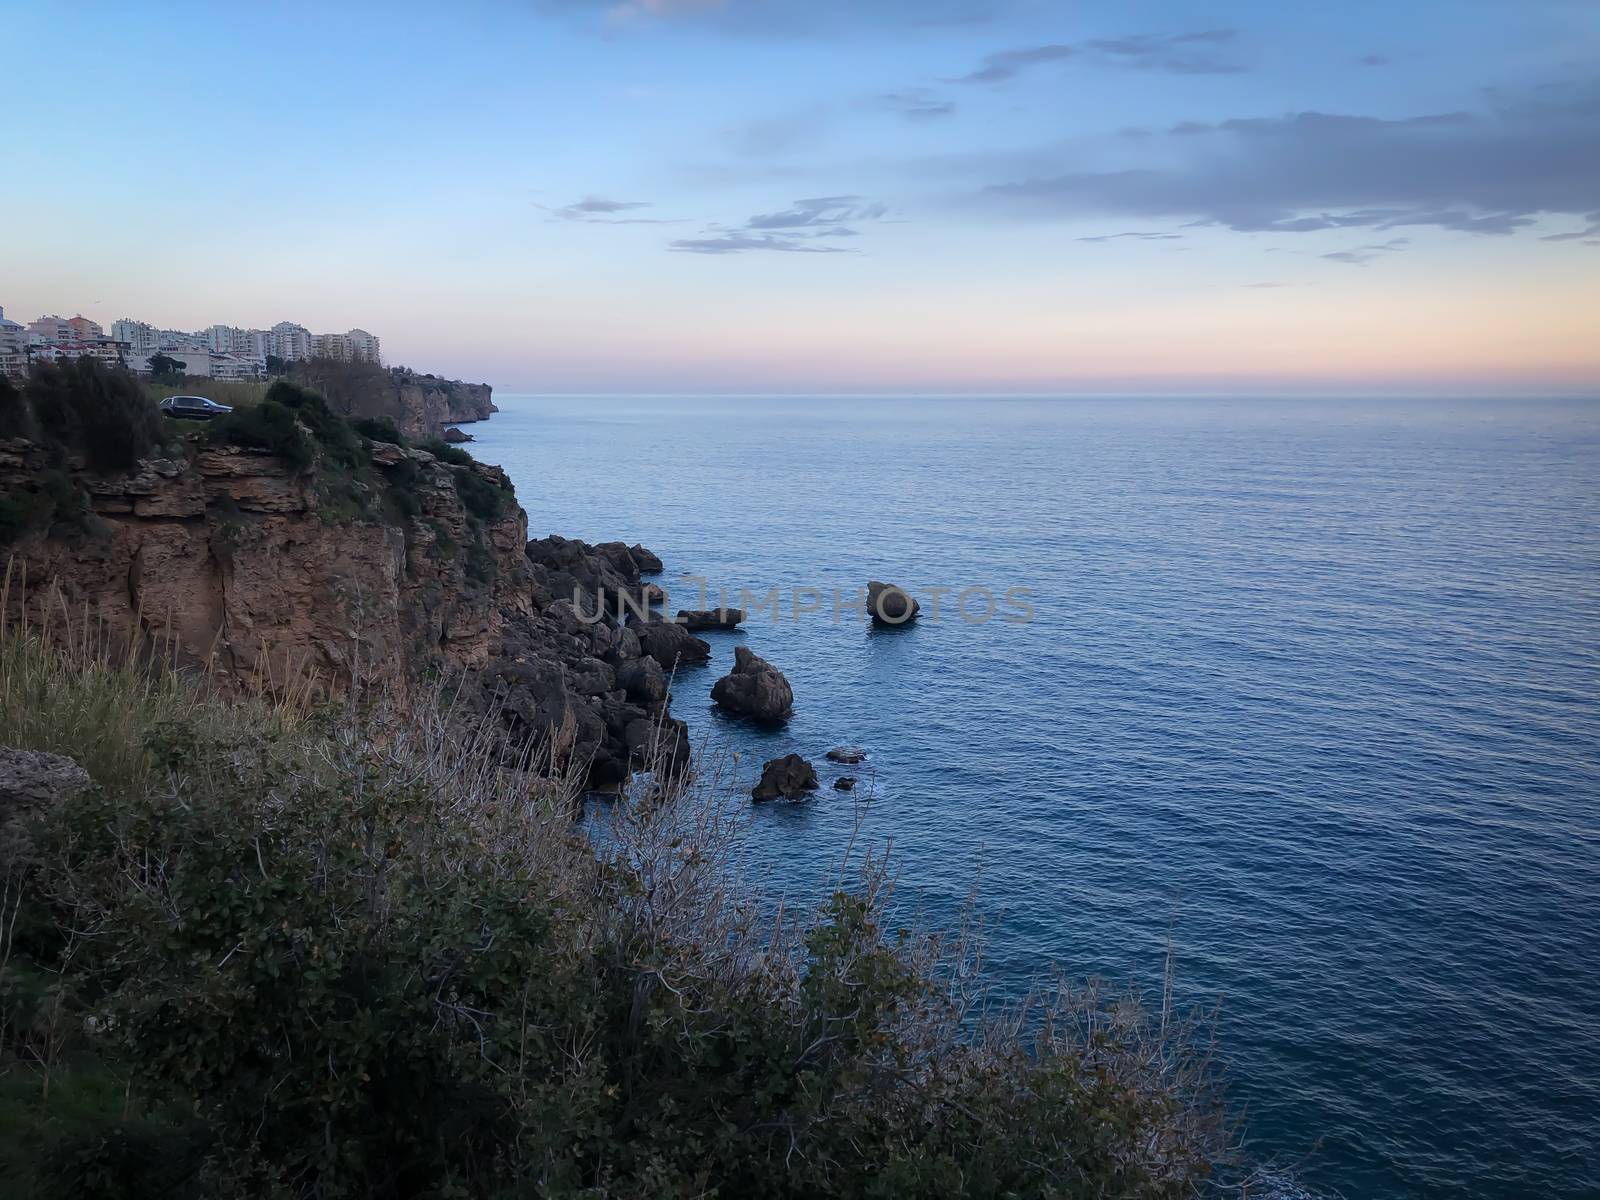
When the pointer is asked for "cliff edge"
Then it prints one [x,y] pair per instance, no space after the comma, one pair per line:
[333,557]
[420,406]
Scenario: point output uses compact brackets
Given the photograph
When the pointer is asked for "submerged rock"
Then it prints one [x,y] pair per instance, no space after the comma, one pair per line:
[849,755]
[845,783]
[710,618]
[789,777]
[754,688]
[889,604]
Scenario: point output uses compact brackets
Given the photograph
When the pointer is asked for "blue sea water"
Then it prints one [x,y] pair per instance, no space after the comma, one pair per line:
[1314,685]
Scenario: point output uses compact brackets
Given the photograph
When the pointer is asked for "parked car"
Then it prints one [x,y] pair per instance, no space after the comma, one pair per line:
[193,408]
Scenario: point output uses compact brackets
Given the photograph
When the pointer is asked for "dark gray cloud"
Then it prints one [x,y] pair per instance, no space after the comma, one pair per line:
[597,210]
[797,229]
[1489,172]
[1200,53]
[916,104]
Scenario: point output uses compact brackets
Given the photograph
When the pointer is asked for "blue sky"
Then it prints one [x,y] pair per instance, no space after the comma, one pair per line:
[768,195]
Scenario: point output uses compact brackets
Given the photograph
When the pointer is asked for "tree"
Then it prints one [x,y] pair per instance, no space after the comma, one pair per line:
[164,366]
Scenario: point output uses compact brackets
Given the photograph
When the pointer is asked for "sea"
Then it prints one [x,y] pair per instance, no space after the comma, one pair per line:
[1307,688]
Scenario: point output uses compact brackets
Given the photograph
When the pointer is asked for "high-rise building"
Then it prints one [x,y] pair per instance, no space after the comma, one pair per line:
[356,346]
[289,341]
[143,338]
[13,347]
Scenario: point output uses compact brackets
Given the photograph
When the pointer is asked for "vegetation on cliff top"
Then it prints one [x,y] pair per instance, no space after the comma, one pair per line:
[105,418]
[288,952]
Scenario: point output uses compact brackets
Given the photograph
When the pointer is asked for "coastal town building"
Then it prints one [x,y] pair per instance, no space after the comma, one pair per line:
[13,347]
[65,329]
[355,346]
[216,352]
[289,341]
[206,364]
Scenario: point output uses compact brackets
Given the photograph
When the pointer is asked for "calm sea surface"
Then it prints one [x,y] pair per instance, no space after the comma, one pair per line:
[1316,684]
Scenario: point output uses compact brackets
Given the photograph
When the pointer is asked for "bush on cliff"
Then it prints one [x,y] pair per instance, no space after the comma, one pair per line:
[15,419]
[267,426]
[347,953]
[84,407]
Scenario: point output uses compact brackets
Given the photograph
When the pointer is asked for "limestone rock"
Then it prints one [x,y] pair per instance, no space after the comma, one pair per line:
[888,604]
[754,688]
[789,777]
[694,619]
[33,779]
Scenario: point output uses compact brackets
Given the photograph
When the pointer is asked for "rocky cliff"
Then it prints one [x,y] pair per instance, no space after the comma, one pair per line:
[419,405]
[414,569]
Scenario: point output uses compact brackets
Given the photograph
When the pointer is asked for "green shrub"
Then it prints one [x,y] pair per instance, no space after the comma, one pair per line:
[340,444]
[483,500]
[15,419]
[265,426]
[446,453]
[49,500]
[378,429]
[365,959]
[84,407]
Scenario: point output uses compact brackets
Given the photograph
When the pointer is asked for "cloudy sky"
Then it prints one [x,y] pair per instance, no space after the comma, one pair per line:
[830,195]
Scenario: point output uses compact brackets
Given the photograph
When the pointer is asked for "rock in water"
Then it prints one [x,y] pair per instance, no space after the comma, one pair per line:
[849,755]
[889,604]
[789,777]
[754,688]
[454,436]
[845,783]
[670,643]
[646,561]
[710,618]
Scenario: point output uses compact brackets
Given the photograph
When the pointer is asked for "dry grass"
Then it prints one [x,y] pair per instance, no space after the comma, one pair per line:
[656,880]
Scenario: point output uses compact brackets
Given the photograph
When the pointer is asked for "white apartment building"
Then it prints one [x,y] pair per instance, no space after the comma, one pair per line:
[143,338]
[13,347]
[206,364]
[356,346]
[289,341]
[245,343]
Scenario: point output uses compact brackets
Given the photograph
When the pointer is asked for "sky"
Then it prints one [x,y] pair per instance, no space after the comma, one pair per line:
[829,195]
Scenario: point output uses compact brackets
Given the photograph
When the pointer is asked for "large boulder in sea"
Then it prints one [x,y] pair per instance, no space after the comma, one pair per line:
[647,562]
[889,604]
[789,777]
[455,436]
[710,618]
[670,643]
[754,688]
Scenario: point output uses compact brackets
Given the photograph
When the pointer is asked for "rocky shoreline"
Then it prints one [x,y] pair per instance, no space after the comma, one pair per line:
[400,566]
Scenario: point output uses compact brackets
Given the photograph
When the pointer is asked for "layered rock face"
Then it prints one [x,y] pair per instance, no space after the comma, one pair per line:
[230,558]
[421,406]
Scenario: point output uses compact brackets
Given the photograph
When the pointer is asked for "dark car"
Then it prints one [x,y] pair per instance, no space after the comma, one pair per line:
[193,408]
